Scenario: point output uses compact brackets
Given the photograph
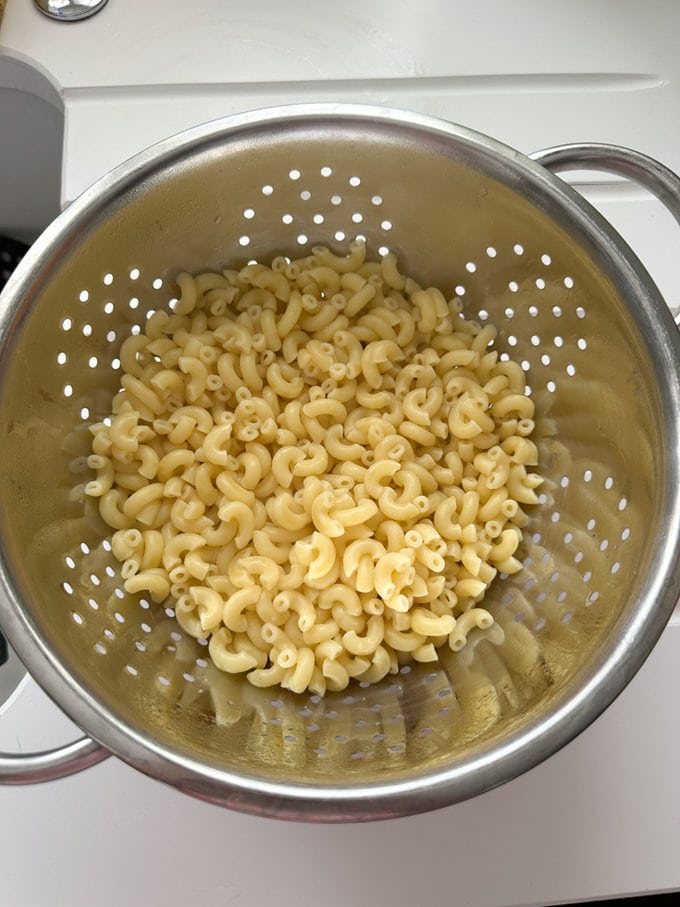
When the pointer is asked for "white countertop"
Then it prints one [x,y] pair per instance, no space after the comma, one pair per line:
[602,817]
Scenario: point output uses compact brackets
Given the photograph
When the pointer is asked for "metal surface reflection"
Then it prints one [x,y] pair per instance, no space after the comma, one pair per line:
[70,10]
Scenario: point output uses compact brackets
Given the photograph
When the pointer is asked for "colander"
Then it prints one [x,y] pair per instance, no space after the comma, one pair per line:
[600,554]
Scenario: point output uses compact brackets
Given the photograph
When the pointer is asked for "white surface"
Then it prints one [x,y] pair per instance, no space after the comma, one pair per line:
[599,819]
[221,41]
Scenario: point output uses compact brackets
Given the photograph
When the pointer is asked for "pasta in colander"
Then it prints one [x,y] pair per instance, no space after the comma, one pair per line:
[321,463]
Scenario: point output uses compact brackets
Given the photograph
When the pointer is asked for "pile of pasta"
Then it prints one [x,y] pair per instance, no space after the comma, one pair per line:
[320,463]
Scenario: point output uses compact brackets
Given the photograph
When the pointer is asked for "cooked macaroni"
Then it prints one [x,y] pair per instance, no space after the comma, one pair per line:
[321,463]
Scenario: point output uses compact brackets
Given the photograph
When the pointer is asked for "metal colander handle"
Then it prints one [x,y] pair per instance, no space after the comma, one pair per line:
[621,161]
[29,768]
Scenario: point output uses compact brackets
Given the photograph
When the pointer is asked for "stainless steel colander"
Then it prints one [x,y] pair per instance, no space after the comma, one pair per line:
[572,304]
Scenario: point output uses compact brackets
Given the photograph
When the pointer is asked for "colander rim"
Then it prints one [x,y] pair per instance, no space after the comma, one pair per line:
[607,676]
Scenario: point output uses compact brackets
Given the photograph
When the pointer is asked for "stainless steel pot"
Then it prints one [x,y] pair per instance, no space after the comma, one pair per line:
[525,251]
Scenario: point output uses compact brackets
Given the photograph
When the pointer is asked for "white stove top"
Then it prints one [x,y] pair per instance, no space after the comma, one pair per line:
[602,817]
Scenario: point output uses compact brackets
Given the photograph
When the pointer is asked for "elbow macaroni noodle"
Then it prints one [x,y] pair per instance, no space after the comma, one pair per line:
[323,465]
